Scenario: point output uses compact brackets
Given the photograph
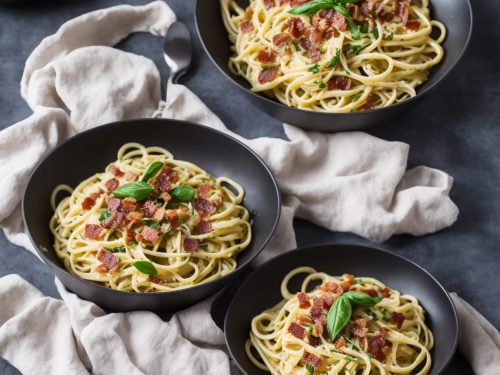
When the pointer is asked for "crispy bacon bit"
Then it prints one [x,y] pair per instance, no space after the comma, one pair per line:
[267,75]
[203,206]
[303,320]
[386,17]
[191,245]
[155,279]
[165,196]
[296,27]
[159,214]
[203,227]
[413,25]
[339,22]
[315,54]
[306,43]
[340,343]
[328,299]
[266,57]
[149,208]
[112,185]
[114,204]
[312,359]
[101,268]
[303,300]
[297,331]
[316,312]
[385,292]
[295,3]
[397,319]
[93,231]
[246,26]
[88,203]
[376,346]
[314,340]
[130,234]
[268,4]
[318,303]
[368,105]
[360,329]
[164,180]
[115,170]
[318,328]
[347,282]
[148,234]
[129,204]
[315,36]
[403,10]
[281,41]
[323,19]
[135,216]
[371,8]
[332,287]
[339,83]
[371,292]
[203,190]
[129,176]
[110,261]
[173,218]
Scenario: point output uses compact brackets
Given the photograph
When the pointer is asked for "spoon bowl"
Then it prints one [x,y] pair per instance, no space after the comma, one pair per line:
[177,50]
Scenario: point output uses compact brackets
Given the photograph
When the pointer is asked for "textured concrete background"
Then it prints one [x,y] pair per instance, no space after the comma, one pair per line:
[454,128]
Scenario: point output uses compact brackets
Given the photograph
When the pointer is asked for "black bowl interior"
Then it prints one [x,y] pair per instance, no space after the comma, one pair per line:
[455,14]
[90,152]
[261,290]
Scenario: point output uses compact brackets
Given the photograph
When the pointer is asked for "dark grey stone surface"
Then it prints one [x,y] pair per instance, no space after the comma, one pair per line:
[454,128]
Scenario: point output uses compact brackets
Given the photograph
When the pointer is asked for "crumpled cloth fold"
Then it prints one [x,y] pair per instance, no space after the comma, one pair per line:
[75,80]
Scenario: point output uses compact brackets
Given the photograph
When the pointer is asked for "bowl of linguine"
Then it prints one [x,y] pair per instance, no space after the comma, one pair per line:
[341,309]
[150,214]
[333,65]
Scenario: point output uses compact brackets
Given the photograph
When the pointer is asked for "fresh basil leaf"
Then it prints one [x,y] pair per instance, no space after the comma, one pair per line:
[138,190]
[312,7]
[309,368]
[363,299]
[348,1]
[151,223]
[183,193]
[105,215]
[153,168]
[342,10]
[146,267]
[338,316]
[117,249]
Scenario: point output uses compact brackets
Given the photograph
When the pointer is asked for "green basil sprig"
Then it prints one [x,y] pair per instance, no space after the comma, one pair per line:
[146,267]
[183,193]
[138,190]
[151,223]
[341,310]
[315,6]
[153,168]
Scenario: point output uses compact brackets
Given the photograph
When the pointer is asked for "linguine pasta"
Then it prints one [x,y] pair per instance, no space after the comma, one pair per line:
[387,337]
[150,223]
[350,56]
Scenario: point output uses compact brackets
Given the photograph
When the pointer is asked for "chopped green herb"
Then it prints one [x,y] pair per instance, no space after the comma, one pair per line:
[105,215]
[356,49]
[117,249]
[320,83]
[309,368]
[358,281]
[350,358]
[314,69]
[348,72]
[151,223]
[389,36]
[132,243]
[375,32]
[372,315]
[310,327]
[353,343]
[385,313]
[364,28]
[369,355]
[297,48]
[335,60]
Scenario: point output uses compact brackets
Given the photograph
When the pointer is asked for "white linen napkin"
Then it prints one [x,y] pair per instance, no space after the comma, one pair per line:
[73,81]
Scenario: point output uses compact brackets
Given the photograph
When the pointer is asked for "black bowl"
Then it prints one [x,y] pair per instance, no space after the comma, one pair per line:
[261,290]
[456,15]
[91,151]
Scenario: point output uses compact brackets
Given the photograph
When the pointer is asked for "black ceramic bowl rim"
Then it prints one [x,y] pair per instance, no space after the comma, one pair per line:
[173,292]
[271,101]
[281,258]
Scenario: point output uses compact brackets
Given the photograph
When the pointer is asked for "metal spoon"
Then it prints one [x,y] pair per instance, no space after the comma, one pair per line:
[177,50]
